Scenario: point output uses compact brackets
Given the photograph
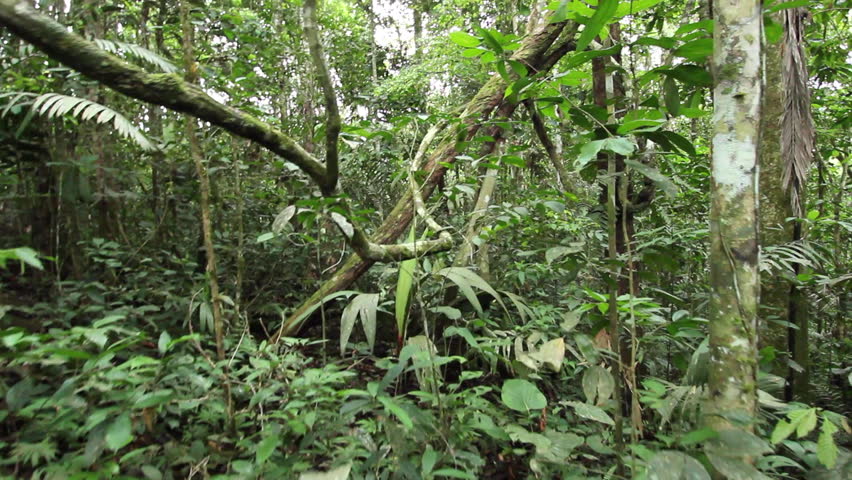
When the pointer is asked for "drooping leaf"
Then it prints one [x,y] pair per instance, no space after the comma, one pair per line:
[465,279]
[283,218]
[661,181]
[578,59]
[363,306]
[397,411]
[598,385]
[826,448]
[671,96]
[55,105]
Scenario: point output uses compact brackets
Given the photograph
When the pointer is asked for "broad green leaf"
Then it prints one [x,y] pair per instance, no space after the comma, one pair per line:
[28,256]
[671,96]
[154,399]
[464,39]
[397,411]
[603,14]
[785,5]
[672,465]
[588,152]
[690,74]
[120,432]
[587,347]
[696,50]
[522,395]
[428,460]
[591,412]
[806,423]
[464,333]
[569,321]
[560,448]
[265,448]
[598,385]
[578,59]
[734,468]
[265,237]
[661,181]
[706,25]
[619,145]
[557,252]
[551,354]
[663,42]
[643,124]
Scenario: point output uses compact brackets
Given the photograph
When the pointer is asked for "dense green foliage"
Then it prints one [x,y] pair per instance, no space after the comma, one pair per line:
[500,363]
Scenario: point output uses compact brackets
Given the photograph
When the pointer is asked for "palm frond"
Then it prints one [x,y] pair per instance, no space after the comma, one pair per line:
[797,126]
[55,105]
[783,258]
[137,51]
[18,99]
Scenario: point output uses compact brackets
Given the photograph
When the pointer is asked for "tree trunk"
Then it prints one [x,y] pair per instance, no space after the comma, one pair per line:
[774,210]
[734,278]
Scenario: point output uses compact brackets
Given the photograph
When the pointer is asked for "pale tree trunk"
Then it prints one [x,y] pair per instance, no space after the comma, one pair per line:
[734,277]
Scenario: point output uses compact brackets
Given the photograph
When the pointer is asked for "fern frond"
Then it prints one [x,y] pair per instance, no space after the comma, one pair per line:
[54,105]
[137,51]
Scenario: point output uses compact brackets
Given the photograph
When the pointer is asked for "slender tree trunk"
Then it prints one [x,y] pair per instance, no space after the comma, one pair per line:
[734,278]
[204,187]
[775,209]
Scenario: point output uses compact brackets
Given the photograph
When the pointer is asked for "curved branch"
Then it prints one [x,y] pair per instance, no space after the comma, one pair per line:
[167,90]
[552,153]
[174,93]
[332,112]
[416,196]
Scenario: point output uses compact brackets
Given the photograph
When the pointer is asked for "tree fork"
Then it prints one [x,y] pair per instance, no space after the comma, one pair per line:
[539,51]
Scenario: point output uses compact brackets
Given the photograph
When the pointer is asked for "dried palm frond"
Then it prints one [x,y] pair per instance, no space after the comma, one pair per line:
[797,126]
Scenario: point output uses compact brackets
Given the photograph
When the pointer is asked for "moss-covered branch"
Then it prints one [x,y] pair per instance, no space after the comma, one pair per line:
[167,90]
[174,93]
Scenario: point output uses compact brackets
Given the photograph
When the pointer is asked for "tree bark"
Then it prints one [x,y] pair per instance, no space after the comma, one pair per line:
[774,210]
[734,278]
